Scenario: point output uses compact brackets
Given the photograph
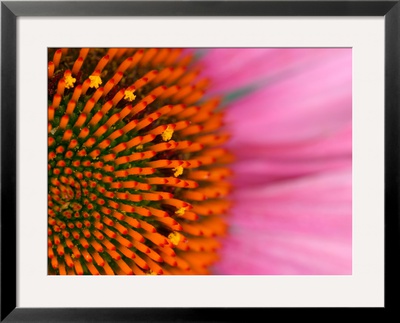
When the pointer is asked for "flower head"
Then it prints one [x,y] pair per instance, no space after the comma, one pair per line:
[123,197]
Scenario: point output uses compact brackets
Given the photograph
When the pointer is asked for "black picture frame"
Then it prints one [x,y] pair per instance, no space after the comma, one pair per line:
[11,10]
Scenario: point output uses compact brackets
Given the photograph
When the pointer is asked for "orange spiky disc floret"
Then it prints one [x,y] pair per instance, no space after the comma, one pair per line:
[136,172]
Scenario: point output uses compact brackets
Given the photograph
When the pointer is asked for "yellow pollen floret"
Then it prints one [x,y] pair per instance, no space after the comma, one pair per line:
[174,237]
[129,96]
[64,206]
[95,81]
[69,81]
[180,211]
[167,133]
[151,272]
[139,147]
[178,171]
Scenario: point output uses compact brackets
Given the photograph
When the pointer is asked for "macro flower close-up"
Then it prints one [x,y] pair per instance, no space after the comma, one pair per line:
[221,161]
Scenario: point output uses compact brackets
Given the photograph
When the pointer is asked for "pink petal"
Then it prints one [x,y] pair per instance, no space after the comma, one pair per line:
[296,227]
[312,102]
[232,68]
[258,163]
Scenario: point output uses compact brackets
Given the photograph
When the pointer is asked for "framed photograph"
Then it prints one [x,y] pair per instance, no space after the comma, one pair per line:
[197,160]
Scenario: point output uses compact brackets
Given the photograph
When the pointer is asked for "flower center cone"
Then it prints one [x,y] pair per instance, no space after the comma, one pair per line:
[136,165]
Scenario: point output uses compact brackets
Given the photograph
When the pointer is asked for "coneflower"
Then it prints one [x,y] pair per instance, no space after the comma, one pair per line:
[136,170]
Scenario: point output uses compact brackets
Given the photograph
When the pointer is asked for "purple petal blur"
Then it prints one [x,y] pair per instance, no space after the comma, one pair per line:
[292,136]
